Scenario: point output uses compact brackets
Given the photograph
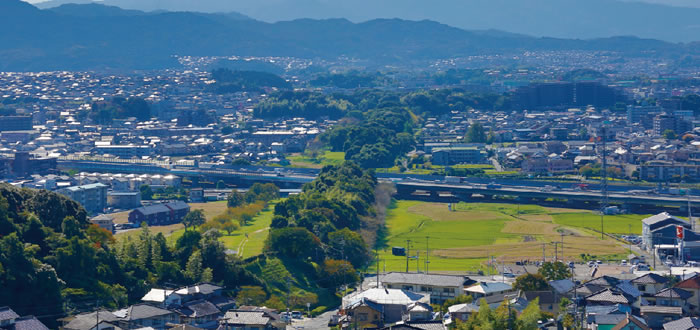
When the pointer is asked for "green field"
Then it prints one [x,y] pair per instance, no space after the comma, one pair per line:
[256,231]
[613,224]
[463,239]
[323,159]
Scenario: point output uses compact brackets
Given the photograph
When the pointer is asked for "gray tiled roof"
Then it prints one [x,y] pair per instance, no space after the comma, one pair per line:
[650,278]
[686,323]
[144,311]
[674,293]
[6,313]
[177,205]
[199,308]
[661,310]
[424,279]
[153,209]
[87,321]
[608,296]
[604,281]
[246,317]
[562,286]
[661,217]
[28,323]
[608,318]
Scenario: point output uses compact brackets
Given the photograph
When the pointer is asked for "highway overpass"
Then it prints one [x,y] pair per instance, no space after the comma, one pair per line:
[438,190]
[408,185]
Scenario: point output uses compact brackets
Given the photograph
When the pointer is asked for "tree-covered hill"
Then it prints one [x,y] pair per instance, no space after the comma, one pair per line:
[53,263]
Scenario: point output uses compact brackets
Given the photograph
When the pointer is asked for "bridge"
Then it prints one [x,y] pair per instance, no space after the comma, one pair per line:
[438,190]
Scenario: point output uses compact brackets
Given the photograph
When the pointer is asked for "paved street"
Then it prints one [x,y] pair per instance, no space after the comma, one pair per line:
[319,322]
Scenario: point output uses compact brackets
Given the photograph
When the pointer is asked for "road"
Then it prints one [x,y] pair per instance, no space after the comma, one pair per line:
[496,165]
[319,322]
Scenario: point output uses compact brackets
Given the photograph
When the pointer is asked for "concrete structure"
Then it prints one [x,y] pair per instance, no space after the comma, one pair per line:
[662,170]
[642,114]
[104,221]
[124,199]
[654,223]
[458,155]
[93,197]
[439,287]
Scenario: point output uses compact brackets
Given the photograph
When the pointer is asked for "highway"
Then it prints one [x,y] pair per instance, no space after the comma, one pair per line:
[406,183]
[464,190]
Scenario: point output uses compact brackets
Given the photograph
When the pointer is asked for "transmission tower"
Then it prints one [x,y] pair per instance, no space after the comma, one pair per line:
[603,182]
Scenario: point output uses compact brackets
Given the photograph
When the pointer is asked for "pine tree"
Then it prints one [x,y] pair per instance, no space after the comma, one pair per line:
[193,269]
[144,248]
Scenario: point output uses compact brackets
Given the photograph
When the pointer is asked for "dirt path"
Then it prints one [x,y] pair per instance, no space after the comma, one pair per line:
[241,246]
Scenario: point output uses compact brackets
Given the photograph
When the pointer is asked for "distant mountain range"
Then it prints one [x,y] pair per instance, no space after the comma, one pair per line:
[552,18]
[78,37]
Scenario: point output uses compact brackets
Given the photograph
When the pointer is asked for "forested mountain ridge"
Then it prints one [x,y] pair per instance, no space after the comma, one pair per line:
[556,18]
[35,39]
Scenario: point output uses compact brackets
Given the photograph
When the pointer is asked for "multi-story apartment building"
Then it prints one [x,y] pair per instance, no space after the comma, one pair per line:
[93,197]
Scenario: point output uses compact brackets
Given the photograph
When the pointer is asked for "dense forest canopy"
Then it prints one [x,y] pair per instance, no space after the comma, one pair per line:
[321,223]
[105,112]
[232,81]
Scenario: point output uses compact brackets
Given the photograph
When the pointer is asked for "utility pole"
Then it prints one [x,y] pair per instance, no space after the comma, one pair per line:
[563,257]
[427,254]
[377,256]
[690,212]
[629,229]
[408,252]
[417,261]
[288,318]
[544,259]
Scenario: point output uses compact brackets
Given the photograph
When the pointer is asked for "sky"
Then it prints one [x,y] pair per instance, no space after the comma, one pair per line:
[686,3]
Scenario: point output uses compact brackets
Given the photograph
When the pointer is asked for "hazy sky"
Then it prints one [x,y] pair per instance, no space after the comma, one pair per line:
[690,3]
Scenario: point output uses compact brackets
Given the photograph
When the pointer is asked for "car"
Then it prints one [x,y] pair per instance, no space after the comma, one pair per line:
[643,267]
[623,263]
[598,262]
[297,315]
[507,274]
[334,320]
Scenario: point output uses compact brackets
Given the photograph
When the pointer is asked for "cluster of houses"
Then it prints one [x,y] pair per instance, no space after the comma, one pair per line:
[645,301]
[655,143]
[200,306]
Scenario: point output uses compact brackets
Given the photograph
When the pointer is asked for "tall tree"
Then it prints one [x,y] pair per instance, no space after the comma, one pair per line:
[529,317]
[531,282]
[193,270]
[194,218]
[554,271]
[475,134]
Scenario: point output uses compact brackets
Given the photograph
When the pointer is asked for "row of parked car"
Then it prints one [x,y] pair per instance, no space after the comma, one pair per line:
[289,316]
